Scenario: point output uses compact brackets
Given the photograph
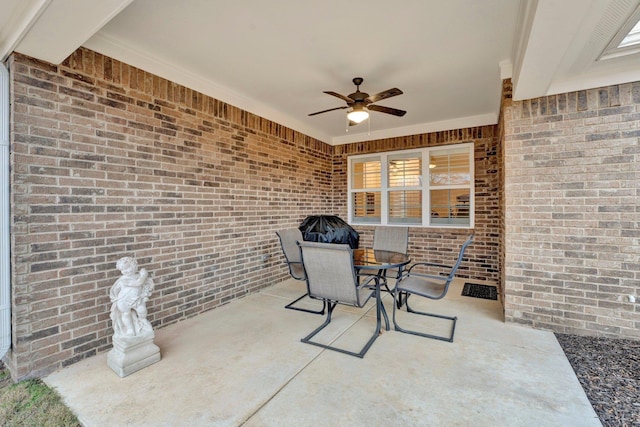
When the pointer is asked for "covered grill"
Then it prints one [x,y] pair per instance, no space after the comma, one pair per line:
[329,229]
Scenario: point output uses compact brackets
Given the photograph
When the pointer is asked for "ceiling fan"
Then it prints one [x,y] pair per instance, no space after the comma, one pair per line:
[361,103]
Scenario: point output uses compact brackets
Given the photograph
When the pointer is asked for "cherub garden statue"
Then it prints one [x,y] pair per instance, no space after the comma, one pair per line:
[129,295]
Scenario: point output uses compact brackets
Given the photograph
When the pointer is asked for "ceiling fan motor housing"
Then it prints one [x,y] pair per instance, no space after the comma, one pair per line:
[357,96]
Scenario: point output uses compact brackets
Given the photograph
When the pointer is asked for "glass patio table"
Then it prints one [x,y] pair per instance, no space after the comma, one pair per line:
[378,262]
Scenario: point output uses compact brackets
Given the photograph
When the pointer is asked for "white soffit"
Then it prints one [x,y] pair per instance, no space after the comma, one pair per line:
[586,68]
[562,54]
[547,33]
[17,18]
[61,26]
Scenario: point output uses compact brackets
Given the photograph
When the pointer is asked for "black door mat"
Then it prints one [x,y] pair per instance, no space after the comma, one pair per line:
[480,291]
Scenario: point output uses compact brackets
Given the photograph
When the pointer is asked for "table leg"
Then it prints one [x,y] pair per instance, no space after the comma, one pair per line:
[379,305]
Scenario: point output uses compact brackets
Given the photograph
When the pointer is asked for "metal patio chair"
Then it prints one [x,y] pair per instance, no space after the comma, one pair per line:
[289,239]
[332,278]
[432,286]
[394,239]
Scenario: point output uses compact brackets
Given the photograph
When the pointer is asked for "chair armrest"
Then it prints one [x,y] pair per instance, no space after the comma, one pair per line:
[435,275]
[428,264]
[426,276]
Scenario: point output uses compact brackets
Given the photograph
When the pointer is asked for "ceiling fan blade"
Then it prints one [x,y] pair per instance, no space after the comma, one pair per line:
[330,109]
[337,95]
[384,95]
[387,110]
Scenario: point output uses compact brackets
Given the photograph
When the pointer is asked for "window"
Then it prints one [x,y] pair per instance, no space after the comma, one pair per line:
[429,187]
[404,188]
[366,175]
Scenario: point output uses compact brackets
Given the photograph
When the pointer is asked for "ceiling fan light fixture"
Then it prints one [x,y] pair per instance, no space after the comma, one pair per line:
[358,116]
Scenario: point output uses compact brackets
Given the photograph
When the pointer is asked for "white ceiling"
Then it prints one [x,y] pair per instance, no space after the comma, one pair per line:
[275,58]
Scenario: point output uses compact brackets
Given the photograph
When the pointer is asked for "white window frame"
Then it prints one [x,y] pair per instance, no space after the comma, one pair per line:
[426,186]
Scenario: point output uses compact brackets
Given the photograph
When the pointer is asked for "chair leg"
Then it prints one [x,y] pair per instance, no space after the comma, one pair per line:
[360,354]
[422,334]
[306,310]
[384,314]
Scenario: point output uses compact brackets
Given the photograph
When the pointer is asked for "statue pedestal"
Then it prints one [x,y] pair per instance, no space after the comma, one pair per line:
[130,354]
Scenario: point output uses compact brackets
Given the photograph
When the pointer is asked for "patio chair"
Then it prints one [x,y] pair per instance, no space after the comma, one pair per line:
[332,278]
[394,239]
[432,286]
[289,239]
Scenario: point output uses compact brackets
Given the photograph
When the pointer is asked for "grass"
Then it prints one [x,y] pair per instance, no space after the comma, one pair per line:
[32,403]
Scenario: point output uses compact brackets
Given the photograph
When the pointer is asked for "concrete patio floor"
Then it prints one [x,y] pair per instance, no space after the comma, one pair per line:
[243,365]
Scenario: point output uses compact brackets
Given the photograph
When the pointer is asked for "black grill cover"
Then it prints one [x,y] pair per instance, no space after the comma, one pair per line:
[328,229]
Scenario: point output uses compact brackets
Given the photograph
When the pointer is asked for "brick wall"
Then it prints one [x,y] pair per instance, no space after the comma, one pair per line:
[111,161]
[442,244]
[572,240]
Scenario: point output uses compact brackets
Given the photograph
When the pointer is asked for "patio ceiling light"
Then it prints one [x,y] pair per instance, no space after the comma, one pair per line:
[358,114]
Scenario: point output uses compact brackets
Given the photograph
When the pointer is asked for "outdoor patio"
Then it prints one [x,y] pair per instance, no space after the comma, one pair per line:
[244,364]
